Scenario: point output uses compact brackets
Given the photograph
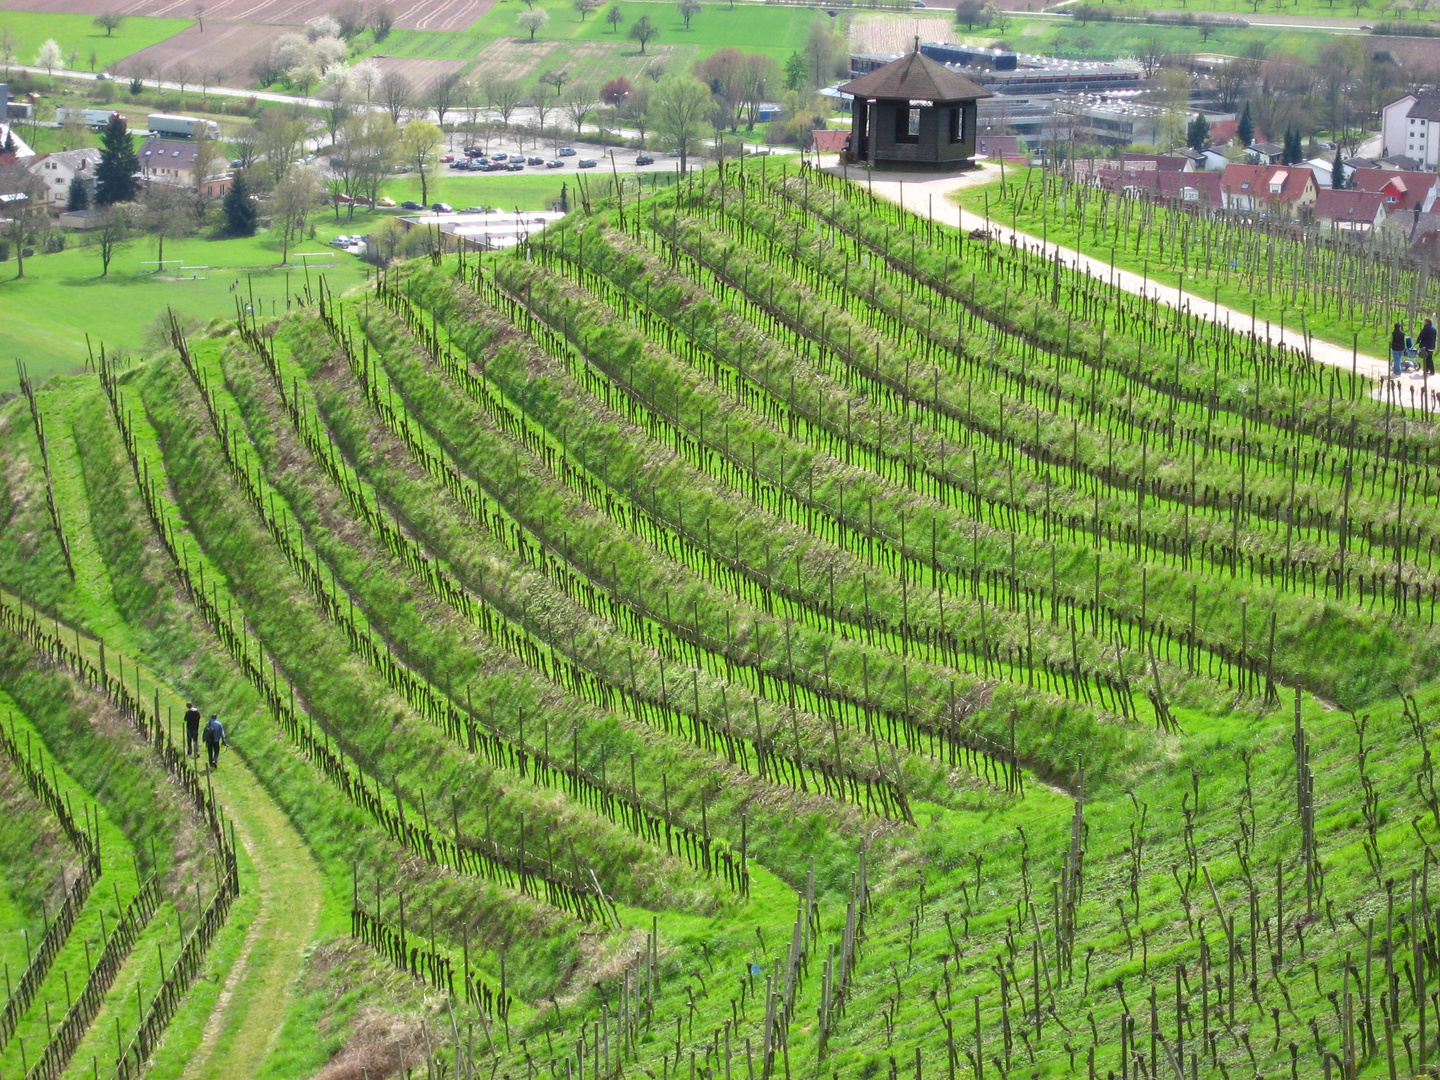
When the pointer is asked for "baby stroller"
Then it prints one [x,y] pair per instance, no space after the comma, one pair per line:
[1410,360]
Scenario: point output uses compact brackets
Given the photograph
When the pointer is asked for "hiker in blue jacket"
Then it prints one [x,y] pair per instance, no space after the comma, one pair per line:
[214,739]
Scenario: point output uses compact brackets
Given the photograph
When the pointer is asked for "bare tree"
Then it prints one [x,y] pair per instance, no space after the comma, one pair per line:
[199,13]
[243,146]
[688,10]
[23,216]
[542,102]
[395,93]
[1151,54]
[112,235]
[1231,80]
[504,96]
[445,93]
[161,214]
[579,102]
[182,76]
[382,18]
[9,45]
[297,195]
[109,21]
[585,7]
[349,16]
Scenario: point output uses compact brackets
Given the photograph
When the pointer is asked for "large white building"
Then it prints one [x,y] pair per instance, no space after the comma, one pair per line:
[1410,127]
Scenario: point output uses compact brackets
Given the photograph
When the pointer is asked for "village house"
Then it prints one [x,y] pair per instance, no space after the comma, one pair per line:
[1161,162]
[1142,180]
[56,171]
[1265,153]
[826,141]
[1410,127]
[1401,190]
[1350,210]
[175,162]
[1275,191]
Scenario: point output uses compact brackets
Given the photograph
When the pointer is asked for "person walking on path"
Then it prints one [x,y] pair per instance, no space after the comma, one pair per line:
[192,730]
[1397,349]
[1426,344]
[214,739]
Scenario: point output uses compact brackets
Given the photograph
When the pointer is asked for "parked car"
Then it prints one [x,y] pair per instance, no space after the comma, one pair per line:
[442,208]
[459,165]
[476,210]
[474,151]
[342,198]
[447,157]
[402,168]
[585,163]
[385,200]
[411,204]
[554,163]
[644,159]
[342,241]
[103,76]
[567,151]
[535,161]
[516,166]
[500,157]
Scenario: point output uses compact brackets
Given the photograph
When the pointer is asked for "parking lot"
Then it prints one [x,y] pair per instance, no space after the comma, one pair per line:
[498,158]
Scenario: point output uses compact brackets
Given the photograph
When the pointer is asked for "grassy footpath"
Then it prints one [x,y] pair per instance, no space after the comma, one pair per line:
[230,1025]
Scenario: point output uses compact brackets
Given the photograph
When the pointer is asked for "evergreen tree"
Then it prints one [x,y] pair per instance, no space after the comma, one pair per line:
[1246,128]
[241,216]
[1293,150]
[1338,178]
[115,175]
[9,147]
[796,72]
[79,196]
[1197,134]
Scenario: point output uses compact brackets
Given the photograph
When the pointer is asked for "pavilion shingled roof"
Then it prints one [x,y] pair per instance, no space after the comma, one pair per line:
[918,78]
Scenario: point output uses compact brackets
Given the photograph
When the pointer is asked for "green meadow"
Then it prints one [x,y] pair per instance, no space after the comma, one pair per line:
[79,32]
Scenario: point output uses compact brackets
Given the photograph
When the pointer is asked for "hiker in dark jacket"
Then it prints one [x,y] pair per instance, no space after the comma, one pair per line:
[1426,343]
[214,739]
[1397,349]
[192,729]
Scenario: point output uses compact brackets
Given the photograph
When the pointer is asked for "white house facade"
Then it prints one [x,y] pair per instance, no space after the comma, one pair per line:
[1410,127]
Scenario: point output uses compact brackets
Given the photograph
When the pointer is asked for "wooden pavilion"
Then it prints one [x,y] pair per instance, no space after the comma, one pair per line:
[913,111]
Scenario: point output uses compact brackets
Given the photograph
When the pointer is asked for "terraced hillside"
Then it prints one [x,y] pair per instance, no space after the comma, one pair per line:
[750,631]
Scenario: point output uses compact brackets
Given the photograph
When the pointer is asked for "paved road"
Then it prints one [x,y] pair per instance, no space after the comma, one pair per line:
[928,196]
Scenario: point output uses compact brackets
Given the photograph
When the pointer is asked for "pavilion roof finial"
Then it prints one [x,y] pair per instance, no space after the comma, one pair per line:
[917,43]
